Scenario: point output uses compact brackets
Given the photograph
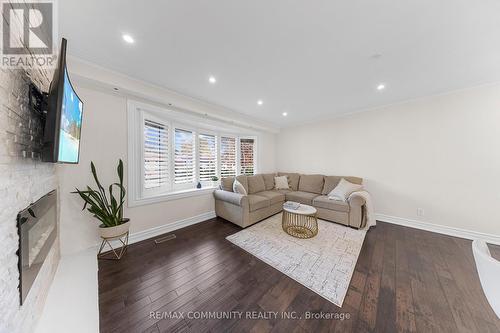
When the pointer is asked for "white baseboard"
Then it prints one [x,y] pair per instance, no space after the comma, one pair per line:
[156,231]
[440,229]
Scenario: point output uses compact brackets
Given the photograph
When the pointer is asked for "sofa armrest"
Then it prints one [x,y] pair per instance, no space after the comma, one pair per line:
[356,200]
[231,197]
[356,216]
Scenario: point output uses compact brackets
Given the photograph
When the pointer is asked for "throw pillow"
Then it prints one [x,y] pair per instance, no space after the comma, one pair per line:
[227,184]
[239,188]
[343,190]
[281,183]
[293,179]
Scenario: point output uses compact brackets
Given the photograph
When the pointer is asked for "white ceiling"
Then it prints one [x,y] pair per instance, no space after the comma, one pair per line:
[312,59]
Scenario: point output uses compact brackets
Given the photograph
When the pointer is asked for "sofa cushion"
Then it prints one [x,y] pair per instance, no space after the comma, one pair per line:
[332,181]
[274,196]
[282,191]
[324,202]
[311,183]
[302,197]
[269,180]
[255,184]
[243,180]
[293,179]
[226,184]
[256,202]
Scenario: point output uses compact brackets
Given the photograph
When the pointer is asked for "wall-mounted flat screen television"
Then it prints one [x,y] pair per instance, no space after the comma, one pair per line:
[63,123]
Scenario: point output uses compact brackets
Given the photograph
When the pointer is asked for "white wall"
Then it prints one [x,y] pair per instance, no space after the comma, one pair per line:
[440,153]
[104,141]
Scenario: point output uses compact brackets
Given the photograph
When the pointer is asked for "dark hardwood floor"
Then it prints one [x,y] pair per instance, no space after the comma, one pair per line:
[406,280]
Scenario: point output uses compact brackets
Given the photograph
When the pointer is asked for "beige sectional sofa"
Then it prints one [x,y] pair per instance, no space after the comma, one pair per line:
[263,200]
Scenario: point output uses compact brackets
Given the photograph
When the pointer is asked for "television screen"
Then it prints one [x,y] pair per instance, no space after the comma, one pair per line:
[63,120]
[70,124]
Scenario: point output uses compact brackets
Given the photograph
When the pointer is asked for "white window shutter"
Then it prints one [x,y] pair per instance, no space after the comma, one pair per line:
[184,157]
[247,156]
[207,152]
[228,157]
[156,155]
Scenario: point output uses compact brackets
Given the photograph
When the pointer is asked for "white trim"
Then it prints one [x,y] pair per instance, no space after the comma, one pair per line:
[160,230]
[440,229]
[192,192]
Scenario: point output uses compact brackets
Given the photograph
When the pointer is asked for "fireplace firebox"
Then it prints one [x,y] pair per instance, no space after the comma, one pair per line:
[37,229]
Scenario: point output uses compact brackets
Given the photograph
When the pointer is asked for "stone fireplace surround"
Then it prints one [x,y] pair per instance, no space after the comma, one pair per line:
[23,180]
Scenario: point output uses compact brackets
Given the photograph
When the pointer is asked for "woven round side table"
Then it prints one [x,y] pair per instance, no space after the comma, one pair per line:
[301,222]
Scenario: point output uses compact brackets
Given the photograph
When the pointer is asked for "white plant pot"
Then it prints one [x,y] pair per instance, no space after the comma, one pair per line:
[114,232]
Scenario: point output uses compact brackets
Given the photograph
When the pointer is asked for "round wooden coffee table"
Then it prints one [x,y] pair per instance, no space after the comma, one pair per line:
[301,222]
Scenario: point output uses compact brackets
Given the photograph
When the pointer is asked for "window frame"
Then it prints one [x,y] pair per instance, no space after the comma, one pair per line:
[137,194]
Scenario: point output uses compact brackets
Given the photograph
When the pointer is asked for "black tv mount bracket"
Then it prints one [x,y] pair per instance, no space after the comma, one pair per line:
[38,100]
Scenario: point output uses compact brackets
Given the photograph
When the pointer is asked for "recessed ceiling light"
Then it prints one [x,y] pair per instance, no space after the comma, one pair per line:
[212,79]
[260,102]
[381,87]
[129,39]
[285,114]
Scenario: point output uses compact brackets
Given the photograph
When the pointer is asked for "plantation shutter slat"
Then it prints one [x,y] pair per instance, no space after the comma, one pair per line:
[156,154]
[227,157]
[247,156]
[207,146]
[184,159]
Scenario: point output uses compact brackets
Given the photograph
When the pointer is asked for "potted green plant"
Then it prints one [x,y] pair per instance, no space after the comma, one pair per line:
[215,180]
[107,210]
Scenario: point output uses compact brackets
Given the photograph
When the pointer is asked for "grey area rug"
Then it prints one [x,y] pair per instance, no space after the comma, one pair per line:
[324,263]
